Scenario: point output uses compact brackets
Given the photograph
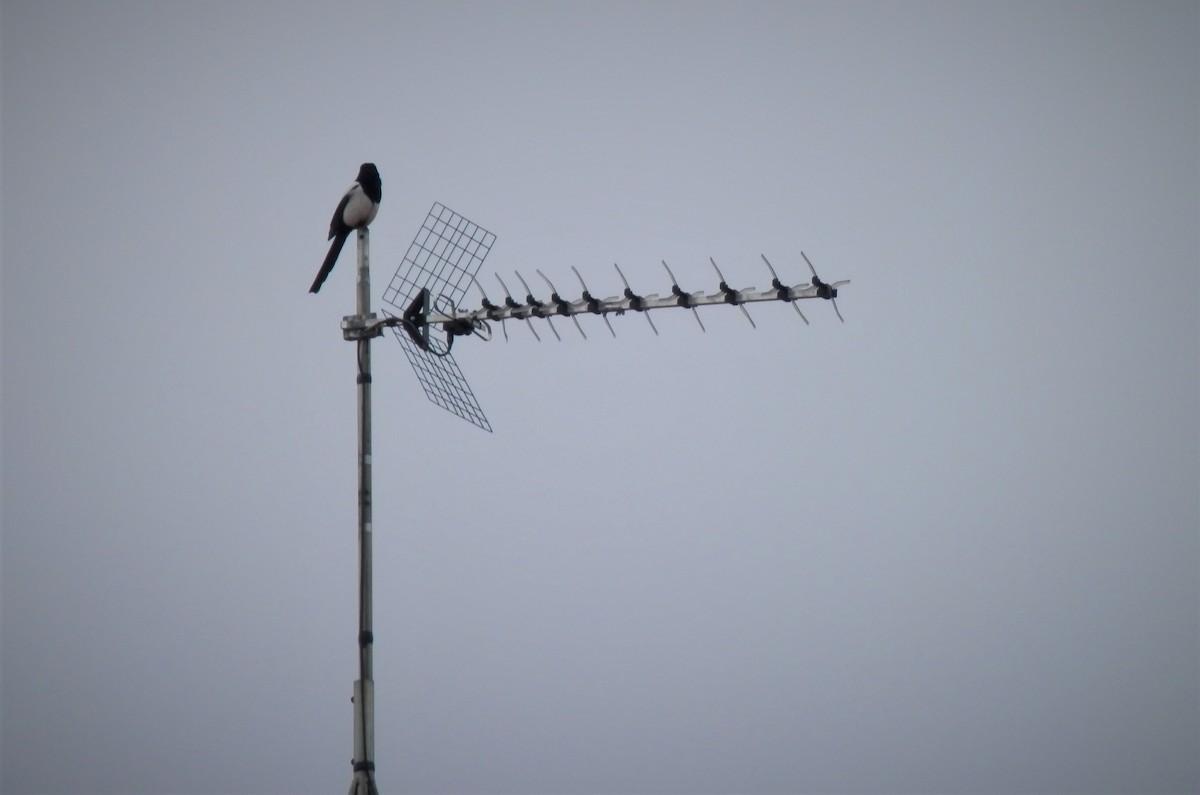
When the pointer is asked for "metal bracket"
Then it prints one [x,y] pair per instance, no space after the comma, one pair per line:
[361,327]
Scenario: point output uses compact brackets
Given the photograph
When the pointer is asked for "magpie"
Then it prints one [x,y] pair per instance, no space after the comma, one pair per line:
[356,209]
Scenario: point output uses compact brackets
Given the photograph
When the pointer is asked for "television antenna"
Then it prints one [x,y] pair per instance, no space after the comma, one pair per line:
[428,290]
[427,293]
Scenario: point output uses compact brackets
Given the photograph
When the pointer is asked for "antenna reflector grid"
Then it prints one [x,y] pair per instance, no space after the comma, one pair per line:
[443,257]
[443,381]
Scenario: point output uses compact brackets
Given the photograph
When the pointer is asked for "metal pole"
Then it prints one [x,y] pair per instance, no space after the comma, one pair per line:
[363,782]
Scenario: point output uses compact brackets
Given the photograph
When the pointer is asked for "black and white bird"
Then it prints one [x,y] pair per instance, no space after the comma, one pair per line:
[357,208]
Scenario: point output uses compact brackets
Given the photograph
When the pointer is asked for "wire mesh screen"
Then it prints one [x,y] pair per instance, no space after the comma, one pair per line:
[443,257]
[443,382]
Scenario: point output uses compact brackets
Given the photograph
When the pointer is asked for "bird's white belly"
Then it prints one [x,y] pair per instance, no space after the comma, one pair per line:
[359,211]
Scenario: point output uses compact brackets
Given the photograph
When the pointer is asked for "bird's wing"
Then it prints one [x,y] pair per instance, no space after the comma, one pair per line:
[337,224]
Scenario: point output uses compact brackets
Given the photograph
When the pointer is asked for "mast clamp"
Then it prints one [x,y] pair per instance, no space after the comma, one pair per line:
[361,327]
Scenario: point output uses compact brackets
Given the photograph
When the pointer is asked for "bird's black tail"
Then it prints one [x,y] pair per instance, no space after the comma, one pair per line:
[335,248]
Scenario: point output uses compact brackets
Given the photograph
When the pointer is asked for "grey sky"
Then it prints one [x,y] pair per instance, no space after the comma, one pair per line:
[950,546]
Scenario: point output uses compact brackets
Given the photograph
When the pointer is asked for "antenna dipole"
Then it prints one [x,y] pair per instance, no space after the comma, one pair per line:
[465,320]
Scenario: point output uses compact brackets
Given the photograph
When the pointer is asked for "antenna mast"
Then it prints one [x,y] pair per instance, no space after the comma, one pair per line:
[358,328]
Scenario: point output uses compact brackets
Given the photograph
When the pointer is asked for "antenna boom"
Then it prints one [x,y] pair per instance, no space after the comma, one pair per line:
[620,304]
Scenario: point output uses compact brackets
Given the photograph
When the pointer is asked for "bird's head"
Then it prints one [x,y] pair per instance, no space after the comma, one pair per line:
[368,177]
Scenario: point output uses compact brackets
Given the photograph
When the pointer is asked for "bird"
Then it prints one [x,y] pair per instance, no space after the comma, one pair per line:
[358,207]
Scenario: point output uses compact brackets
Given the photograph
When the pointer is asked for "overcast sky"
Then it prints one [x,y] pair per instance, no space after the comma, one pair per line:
[951,545]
